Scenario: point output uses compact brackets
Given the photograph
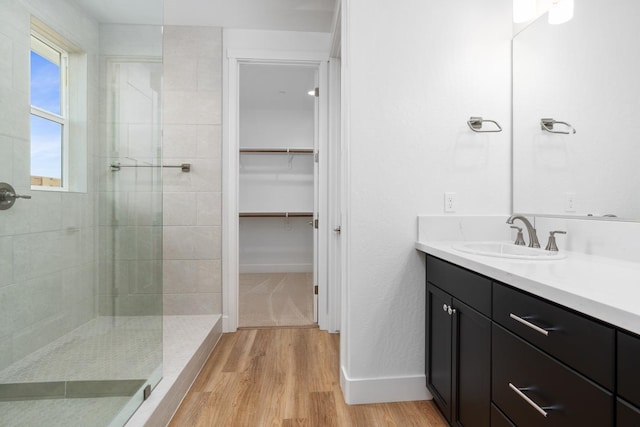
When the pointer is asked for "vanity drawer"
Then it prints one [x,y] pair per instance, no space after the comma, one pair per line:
[585,344]
[629,368]
[470,288]
[523,376]
[498,419]
[626,414]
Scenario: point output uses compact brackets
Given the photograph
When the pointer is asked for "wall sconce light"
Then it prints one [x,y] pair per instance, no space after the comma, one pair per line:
[523,10]
[561,11]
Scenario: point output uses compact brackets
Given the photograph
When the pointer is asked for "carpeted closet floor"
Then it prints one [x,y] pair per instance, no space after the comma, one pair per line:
[276,299]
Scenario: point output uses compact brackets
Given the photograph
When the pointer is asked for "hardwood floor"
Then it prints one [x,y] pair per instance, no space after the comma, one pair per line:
[285,377]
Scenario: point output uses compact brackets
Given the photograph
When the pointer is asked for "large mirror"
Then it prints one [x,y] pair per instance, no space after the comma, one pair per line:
[585,73]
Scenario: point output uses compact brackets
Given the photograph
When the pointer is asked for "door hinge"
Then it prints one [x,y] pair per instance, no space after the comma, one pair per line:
[315,223]
[315,290]
[316,92]
[316,157]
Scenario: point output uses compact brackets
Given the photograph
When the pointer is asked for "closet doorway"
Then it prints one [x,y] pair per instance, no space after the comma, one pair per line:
[277,194]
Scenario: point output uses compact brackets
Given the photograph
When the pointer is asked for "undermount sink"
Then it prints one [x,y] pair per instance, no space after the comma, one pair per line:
[507,250]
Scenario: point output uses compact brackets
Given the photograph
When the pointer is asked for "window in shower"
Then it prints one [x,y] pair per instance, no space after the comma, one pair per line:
[49,113]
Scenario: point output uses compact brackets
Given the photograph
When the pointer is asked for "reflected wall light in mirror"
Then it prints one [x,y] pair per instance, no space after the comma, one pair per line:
[523,10]
[561,11]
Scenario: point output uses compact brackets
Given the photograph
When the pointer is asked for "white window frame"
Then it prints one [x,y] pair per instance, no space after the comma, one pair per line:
[63,118]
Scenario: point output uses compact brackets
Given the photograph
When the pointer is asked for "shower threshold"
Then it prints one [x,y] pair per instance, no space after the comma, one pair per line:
[69,389]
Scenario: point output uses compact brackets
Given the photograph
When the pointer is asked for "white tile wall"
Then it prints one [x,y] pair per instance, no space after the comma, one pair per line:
[192,201]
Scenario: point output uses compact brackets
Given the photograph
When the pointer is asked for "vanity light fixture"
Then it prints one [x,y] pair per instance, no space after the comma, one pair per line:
[523,10]
[561,11]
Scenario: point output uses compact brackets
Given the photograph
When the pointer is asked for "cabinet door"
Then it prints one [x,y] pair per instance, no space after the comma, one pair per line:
[438,350]
[473,371]
[628,369]
[498,419]
[627,415]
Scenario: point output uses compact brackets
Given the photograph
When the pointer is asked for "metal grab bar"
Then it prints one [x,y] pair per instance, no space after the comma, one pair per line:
[475,124]
[275,214]
[186,167]
[277,150]
[547,125]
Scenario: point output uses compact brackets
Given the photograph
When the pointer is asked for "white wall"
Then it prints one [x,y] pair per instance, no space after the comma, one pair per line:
[262,128]
[413,73]
[276,40]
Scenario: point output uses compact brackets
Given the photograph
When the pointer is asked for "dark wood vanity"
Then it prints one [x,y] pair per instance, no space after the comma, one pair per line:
[498,356]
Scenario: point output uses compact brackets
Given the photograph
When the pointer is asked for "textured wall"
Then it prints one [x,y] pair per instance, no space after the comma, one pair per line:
[192,201]
[414,74]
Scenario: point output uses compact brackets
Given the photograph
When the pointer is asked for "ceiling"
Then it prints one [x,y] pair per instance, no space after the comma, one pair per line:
[124,11]
[286,15]
[281,87]
[283,15]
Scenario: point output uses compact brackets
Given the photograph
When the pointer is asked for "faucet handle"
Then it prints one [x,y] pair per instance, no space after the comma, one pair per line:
[551,244]
[520,238]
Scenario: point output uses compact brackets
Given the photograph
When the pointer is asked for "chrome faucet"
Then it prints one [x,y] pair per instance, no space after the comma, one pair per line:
[533,237]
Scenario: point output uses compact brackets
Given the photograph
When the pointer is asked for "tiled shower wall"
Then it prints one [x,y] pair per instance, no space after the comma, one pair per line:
[130,200]
[192,202]
[46,243]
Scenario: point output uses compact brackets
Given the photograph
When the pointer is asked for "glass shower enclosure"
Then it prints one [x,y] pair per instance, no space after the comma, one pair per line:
[81,252]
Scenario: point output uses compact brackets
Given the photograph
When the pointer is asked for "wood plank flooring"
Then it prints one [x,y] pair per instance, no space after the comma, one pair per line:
[285,377]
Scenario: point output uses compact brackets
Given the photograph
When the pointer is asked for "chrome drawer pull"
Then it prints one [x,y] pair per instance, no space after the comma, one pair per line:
[544,332]
[535,406]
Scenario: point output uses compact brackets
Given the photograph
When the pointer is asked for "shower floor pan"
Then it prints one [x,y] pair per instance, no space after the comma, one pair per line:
[85,377]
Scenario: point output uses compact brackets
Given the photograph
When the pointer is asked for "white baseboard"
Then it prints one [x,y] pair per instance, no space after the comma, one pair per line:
[276,268]
[383,390]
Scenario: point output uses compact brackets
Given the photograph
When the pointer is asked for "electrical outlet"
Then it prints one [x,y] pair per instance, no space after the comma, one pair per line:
[569,202]
[449,202]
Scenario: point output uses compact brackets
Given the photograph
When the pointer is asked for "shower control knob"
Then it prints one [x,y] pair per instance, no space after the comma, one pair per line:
[8,196]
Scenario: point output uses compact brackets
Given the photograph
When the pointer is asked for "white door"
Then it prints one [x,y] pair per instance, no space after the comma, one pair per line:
[316,197]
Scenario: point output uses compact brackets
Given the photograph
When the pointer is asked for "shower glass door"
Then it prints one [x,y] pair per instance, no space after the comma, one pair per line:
[81,253]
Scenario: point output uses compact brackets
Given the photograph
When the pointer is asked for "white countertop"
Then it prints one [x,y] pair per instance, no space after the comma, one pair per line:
[605,288]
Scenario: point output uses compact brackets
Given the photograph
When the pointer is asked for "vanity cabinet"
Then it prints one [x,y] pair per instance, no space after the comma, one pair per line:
[627,414]
[458,360]
[502,357]
[628,376]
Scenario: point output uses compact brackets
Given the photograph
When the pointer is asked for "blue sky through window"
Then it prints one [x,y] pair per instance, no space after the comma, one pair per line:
[45,84]
[46,135]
